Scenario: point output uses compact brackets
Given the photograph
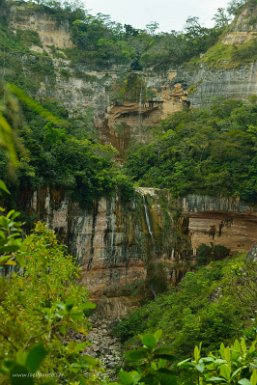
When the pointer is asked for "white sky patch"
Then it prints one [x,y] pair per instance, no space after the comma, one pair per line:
[170,14]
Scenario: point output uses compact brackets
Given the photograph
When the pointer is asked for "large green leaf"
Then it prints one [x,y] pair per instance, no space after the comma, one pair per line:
[3,187]
[164,352]
[136,356]
[149,340]
[129,378]
[35,358]
[244,381]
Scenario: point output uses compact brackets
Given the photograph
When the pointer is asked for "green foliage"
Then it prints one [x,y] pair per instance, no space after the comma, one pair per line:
[206,306]
[23,370]
[206,253]
[27,69]
[230,56]
[101,43]
[234,6]
[9,123]
[34,105]
[207,151]
[245,53]
[151,363]
[61,152]
[29,37]
[42,307]
[235,364]
[10,237]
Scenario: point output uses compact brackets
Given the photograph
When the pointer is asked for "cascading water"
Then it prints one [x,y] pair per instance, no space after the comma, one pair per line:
[112,225]
[147,217]
[111,233]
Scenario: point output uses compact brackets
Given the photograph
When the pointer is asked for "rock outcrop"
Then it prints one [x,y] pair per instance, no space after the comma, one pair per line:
[82,89]
[52,32]
[85,91]
[118,244]
[226,221]
[222,73]
[121,245]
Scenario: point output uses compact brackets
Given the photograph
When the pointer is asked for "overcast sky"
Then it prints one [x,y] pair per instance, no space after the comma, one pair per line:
[170,14]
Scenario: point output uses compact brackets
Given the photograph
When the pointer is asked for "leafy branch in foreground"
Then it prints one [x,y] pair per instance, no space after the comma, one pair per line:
[154,365]
[43,304]
[234,364]
[10,237]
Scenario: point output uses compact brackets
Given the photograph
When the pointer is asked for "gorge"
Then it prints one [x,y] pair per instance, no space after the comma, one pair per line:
[136,153]
[112,239]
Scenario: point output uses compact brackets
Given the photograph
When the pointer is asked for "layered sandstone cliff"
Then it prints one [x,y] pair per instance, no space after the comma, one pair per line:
[120,244]
[224,221]
[117,243]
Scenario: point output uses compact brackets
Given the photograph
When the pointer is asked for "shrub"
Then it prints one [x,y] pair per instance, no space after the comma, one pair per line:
[206,253]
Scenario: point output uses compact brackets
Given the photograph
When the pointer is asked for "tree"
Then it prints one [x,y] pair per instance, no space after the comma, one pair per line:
[152,27]
[221,18]
[234,7]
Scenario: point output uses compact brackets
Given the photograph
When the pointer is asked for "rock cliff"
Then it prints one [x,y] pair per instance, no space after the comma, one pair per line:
[80,88]
[226,221]
[117,243]
[228,70]
[121,244]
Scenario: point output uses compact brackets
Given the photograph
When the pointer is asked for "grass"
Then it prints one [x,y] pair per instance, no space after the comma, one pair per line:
[230,56]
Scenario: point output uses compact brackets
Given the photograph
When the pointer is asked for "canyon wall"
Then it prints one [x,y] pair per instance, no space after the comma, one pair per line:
[118,244]
[207,85]
[228,70]
[85,91]
[88,92]
[224,221]
[113,240]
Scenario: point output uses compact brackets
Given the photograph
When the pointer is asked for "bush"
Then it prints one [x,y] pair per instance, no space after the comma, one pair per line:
[206,253]
[43,304]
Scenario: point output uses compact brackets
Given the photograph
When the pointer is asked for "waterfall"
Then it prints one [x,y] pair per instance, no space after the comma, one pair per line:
[48,209]
[147,218]
[112,224]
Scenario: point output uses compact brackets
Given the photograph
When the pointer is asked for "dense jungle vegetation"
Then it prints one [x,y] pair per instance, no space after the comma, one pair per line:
[55,150]
[101,43]
[208,151]
[213,303]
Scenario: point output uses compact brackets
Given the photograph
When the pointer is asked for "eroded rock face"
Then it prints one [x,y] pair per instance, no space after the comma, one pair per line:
[126,248]
[209,85]
[52,33]
[226,221]
[81,89]
[84,91]
[115,242]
